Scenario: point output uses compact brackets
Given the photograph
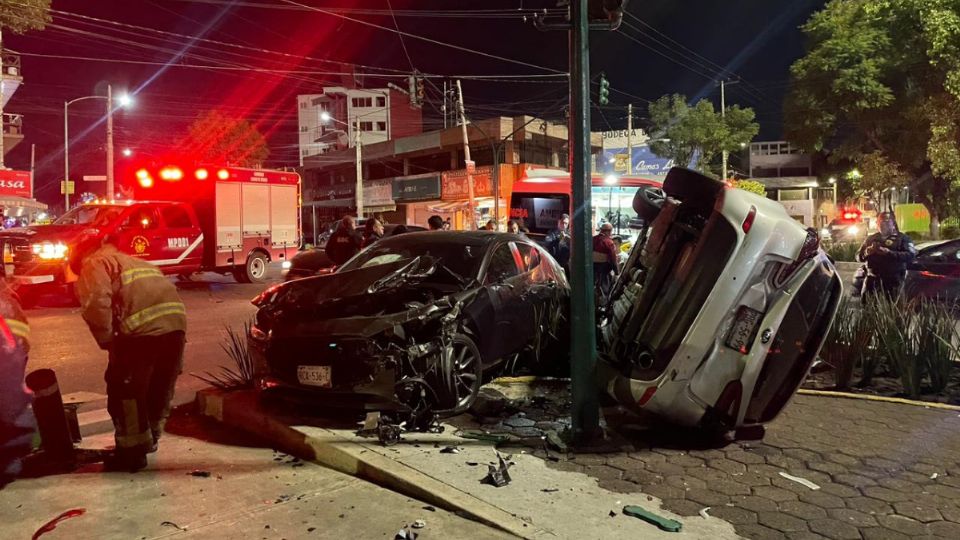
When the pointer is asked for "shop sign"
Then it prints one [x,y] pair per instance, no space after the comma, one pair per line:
[454,185]
[377,193]
[424,188]
[15,183]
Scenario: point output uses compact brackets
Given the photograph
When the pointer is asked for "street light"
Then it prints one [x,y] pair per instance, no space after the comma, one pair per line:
[326,117]
[125,101]
[127,152]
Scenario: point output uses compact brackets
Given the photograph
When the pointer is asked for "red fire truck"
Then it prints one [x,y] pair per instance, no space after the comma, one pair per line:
[184,220]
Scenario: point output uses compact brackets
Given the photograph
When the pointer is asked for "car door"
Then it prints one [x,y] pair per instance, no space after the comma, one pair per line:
[502,281]
[139,234]
[935,273]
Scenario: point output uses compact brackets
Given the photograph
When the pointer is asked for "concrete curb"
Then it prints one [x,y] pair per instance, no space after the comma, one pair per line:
[847,266]
[241,410]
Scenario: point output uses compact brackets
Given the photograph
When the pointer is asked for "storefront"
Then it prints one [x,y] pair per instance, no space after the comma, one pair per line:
[455,196]
[414,196]
[17,205]
[322,207]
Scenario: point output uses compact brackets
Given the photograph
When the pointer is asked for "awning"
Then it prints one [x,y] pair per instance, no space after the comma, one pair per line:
[332,203]
[453,206]
[22,202]
[379,208]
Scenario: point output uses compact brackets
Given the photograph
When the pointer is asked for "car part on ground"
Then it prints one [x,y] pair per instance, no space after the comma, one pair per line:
[720,309]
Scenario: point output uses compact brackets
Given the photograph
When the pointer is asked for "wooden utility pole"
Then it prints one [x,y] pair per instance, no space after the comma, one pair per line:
[468,163]
[629,139]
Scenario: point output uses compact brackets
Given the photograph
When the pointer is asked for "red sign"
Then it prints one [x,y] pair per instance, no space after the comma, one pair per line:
[15,183]
[454,187]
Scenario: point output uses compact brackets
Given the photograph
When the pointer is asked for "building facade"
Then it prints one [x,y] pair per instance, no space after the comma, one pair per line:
[788,174]
[380,114]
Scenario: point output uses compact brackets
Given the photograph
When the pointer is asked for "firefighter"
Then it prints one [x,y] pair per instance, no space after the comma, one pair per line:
[16,420]
[134,313]
[345,242]
[887,253]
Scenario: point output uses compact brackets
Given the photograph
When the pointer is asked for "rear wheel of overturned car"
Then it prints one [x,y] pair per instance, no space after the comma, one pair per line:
[466,373]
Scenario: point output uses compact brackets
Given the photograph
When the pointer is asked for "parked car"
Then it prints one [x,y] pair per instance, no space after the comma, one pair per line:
[414,322]
[935,273]
[720,310]
[848,226]
[309,262]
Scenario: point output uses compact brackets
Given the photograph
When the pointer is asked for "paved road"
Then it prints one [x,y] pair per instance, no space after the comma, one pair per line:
[61,341]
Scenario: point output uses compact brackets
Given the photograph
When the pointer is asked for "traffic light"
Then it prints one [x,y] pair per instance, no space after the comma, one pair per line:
[606,10]
[420,91]
[604,89]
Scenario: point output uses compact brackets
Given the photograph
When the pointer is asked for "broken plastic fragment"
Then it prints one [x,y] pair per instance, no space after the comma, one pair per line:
[52,524]
[179,528]
[703,512]
[419,524]
[664,524]
[483,436]
[934,476]
[200,474]
[450,450]
[801,481]
[498,475]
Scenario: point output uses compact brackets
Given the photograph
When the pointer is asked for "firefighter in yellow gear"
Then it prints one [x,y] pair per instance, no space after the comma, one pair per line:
[134,313]
[16,420]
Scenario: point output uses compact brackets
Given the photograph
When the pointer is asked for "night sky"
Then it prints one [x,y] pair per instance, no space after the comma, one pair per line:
[705,40]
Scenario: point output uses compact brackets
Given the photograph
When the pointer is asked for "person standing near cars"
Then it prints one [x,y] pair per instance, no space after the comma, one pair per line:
[558,242]
[16,418]
[372,231]
[345,242]
[604,259]
[136,315]
[435,223]
[886,254]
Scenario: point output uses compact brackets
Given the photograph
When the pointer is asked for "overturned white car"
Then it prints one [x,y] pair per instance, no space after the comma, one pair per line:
[720,310]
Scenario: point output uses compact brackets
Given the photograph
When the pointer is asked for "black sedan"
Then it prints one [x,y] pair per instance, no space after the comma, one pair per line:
[412,323]
[310,262]
[935,273]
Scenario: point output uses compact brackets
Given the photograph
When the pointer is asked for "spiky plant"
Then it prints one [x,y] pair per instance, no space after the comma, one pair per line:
[896,324]
[849,337]
[936,342]
[843,251]
[241,375]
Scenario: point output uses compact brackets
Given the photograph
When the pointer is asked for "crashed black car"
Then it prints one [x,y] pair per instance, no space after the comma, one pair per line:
[412,323]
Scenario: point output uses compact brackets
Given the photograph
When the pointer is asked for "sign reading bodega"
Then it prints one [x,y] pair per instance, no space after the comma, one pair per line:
[15,183]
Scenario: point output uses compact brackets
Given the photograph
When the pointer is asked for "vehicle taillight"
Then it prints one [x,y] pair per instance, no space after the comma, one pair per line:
[144,178]
[748,222]
[223,174]
[171,174]
[201,174]
[808,251]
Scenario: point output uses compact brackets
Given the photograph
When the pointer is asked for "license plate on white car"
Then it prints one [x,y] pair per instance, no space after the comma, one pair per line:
[744,330]
[315,376]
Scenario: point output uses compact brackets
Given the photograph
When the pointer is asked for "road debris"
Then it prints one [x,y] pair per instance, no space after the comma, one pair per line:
[419,524]
[703,512]
[613,513]
[555,441]
[430,508]
[174,525]
[405,534]
[52,524]
[664,524]
[484,436]
[199,474]
[550,490]
[934,476]
[498,475]
[801,481]
[450,450]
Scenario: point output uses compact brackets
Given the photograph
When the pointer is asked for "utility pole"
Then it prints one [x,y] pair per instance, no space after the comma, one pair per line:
[585,414]
[629,139]
[444,108]
[358,142]
[3,129]
[110,191]
[66,158]
[469,164]
[723,114]
[33,166]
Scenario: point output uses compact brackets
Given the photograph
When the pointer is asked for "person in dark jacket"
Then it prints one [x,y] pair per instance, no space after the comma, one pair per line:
[558,242]
[887,254]
[345,242]
[372,231]
[604,260]
[435,223]
[16,418]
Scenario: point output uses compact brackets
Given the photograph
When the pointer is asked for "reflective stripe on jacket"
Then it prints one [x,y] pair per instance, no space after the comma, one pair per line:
[122,295]
[13,315]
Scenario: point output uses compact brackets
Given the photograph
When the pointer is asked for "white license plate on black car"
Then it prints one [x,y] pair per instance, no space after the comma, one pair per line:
[744,330]
[315,376]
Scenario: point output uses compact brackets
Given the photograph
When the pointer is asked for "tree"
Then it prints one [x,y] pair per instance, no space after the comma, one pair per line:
[683,132]
[18,16]
[752,186]
[880,87]
[220,139]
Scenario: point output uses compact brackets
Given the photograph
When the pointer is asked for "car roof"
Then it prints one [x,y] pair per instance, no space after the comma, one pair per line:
[473,238]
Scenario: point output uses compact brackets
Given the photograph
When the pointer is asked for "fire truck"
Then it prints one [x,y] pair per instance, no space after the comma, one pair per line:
[183,219]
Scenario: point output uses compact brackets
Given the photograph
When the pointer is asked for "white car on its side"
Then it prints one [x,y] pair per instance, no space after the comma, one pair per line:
[720,310]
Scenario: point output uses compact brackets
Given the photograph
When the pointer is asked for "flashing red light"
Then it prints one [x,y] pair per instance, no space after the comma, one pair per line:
[748,222]
[201,174]
[171,174]
[851,214]
[142,173]
[145,181]
[223,174]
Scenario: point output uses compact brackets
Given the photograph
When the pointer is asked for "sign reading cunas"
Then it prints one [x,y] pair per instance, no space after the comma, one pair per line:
[15,183]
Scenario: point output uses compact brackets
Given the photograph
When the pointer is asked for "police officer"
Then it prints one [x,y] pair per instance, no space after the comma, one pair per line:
[16,420]
[372,231]
[345,242]
[558,242]
[886,253]
[134,313]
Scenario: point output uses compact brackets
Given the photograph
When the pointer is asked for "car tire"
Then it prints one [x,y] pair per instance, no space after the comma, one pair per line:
[648,202]
[463,383]
[692,188]
[254,271]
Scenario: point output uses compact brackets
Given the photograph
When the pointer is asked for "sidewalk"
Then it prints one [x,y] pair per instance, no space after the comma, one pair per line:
[251,492]
[540,502]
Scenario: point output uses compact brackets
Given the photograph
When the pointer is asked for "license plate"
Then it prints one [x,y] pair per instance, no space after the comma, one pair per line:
[744,330]
[315,376]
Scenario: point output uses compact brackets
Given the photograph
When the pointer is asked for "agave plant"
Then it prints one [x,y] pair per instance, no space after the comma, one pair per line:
[896,326]
[849,337]
[843,251]
[936,342]
[235,345]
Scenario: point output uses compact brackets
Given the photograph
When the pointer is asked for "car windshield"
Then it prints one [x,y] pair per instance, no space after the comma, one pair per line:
[458,257]
[96,216]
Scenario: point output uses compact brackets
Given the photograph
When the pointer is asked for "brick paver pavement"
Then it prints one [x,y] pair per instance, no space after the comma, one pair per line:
[884,470]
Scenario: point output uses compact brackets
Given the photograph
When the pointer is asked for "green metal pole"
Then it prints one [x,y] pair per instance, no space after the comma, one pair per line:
[586,410]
